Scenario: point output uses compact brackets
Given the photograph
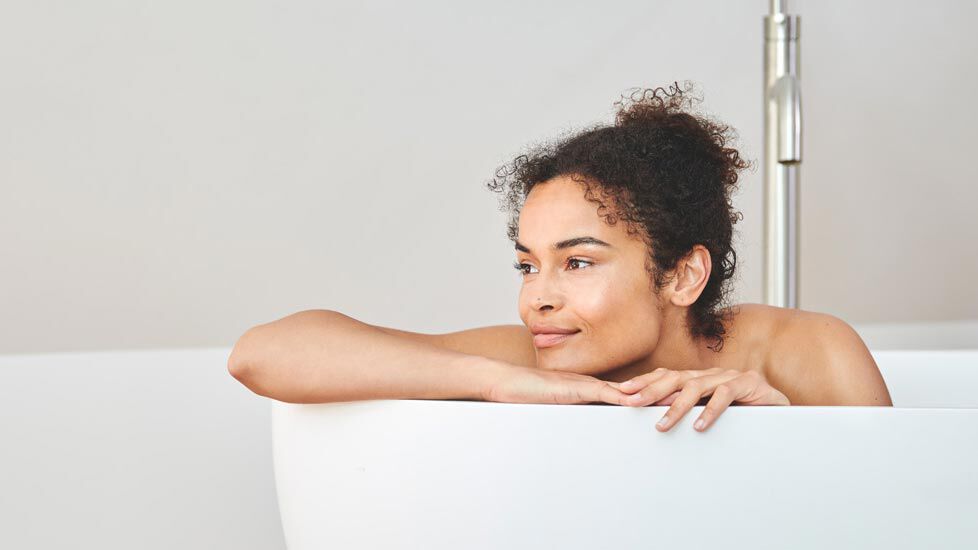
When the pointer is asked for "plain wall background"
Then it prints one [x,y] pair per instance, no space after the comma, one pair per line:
[175,172]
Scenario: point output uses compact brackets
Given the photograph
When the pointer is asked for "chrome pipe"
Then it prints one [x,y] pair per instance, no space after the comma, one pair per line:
[782,155]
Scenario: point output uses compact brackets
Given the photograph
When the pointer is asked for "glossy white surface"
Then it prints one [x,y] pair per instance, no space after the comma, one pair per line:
[461,474]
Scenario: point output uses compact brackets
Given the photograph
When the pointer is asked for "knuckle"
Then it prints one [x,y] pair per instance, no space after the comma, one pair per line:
[723,389]
[682,405]
[714,407]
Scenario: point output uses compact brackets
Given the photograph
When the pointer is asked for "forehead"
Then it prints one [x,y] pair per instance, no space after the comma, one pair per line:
[556,209]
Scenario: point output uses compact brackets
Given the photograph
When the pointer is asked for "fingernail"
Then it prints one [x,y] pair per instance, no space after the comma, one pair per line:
[627,384]
[699,424]
[636,396]
[663,421]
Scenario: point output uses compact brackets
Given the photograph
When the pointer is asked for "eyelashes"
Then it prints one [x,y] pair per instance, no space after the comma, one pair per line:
[521,267]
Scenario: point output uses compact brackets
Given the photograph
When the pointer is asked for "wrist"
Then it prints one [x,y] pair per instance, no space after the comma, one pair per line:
[485,374]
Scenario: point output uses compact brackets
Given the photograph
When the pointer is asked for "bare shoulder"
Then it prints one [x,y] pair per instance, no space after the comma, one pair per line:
[510,343]
[818,359]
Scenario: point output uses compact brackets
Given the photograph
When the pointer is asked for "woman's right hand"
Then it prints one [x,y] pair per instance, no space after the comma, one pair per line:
[520,384]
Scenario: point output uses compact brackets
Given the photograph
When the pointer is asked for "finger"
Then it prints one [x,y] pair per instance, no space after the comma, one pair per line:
[687,398]
[742,387]
[753,389]
[691,393]
[674,381]
[639,382]
[608,392]
[665,383]
[723,395]
[660,387]
[668,399]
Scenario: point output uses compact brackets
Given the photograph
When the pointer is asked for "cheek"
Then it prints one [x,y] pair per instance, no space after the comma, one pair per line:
[608,307]
[622,322]
[619,321]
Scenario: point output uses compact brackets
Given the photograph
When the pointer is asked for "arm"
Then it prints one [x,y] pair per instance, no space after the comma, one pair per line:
[320,356]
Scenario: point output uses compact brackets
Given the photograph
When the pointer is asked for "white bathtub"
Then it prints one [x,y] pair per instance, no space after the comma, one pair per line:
[468,474]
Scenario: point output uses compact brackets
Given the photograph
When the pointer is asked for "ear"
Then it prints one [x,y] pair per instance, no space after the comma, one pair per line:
[691,275]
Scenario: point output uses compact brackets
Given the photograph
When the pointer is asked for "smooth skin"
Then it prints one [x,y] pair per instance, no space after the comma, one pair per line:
[632,349]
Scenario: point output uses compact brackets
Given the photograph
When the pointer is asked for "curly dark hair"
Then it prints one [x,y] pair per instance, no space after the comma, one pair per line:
[666,172]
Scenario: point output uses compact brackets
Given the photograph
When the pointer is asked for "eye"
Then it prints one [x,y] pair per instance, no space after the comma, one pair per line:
[522,267]
[578,260]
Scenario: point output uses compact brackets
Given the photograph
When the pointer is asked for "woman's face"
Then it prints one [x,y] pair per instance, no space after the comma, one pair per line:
[603,292]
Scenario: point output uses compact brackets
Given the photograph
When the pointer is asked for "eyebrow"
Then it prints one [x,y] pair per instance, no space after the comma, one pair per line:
[576,241]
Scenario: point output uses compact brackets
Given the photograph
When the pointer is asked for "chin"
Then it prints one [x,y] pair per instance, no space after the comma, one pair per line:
[550,363]
[576,367]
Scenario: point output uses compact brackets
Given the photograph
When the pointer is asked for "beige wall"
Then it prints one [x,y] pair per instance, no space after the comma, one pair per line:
[174,172]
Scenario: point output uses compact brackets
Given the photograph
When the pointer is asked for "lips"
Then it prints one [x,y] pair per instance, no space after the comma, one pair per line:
[546,340]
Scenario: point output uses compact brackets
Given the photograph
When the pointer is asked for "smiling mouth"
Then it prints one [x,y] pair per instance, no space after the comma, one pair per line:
[548,340]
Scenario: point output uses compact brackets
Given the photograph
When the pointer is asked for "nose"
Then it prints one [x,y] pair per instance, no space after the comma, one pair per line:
[544,291]
[546,296]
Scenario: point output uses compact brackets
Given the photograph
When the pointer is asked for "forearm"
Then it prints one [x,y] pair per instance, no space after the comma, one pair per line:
[321,356]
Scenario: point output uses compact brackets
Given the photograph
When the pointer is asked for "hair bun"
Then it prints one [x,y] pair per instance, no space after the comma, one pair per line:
[639,106]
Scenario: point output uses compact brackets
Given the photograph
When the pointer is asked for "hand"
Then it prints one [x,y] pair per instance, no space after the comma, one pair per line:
[682,389]
[519,384]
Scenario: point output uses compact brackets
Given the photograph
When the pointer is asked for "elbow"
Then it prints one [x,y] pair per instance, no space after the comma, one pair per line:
[243,364]
[236,365]
[261,357]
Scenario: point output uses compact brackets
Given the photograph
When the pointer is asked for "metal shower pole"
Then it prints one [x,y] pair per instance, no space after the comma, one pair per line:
[782,155]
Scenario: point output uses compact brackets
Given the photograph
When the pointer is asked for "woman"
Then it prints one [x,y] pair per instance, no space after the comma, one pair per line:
[623,238]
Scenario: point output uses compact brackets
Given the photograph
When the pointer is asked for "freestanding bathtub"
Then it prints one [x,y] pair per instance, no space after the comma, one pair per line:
[468,474]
